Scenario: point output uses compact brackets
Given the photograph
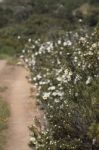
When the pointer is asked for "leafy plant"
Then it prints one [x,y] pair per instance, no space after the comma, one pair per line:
[66,73]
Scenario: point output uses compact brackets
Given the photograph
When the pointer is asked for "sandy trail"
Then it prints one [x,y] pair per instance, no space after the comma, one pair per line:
[22,107]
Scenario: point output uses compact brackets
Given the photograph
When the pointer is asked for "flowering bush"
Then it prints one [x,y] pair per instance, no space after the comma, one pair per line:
[66,74]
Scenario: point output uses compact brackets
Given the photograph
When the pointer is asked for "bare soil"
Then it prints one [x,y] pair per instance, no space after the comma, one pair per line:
[22,107]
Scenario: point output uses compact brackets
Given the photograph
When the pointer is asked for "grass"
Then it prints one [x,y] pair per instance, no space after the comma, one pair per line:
[4,114]
[4,56]
[11,60]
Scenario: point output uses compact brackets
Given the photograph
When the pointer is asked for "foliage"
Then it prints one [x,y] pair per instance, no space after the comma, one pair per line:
[94,1]
[66,75]
[38,18]
[18,11]
[35,26]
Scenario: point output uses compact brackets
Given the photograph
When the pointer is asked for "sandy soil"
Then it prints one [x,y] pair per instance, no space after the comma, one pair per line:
[22,107]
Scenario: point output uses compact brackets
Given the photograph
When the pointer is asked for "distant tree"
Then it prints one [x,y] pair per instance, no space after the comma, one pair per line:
[94,1]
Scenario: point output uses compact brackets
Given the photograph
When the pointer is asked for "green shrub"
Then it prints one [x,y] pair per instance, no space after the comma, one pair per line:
[66,74]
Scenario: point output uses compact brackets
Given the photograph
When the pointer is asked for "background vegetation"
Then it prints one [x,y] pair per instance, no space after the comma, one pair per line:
[45,18]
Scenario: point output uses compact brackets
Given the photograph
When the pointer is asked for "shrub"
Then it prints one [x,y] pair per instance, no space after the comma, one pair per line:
[66,74]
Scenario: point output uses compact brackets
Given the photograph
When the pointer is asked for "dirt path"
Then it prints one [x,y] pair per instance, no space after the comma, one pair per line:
[22,107]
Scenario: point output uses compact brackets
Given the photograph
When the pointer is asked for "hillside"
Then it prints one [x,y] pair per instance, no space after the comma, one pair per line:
[42,18]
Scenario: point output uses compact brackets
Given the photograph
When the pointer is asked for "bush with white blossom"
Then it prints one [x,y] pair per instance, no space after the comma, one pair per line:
[66,74]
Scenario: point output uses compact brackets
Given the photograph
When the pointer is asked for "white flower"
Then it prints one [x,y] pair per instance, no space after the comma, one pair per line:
[79,64]
[76,94]
[58,62]
[79,52]
[36,53]
[29,40]
[56,100]
[48,49]
[34,79]
[23,51]
[69,43]
[40,52]
[61,48]
[51,88]
[32,139]
[94,45]
[19,37]
[32,56]
[33,46]
[90,53]
[46,95]
[39,76]
[58,93]
[60,53]
[65,44]
[82,39]
[26,60]
[21,56]
[19,63]
[66,71]
[40,83]
[75,59]
[88,81]
[36,42]
[36,84]
[59,42]
[70,73]
[80,20]
[59,78]
[77,78]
